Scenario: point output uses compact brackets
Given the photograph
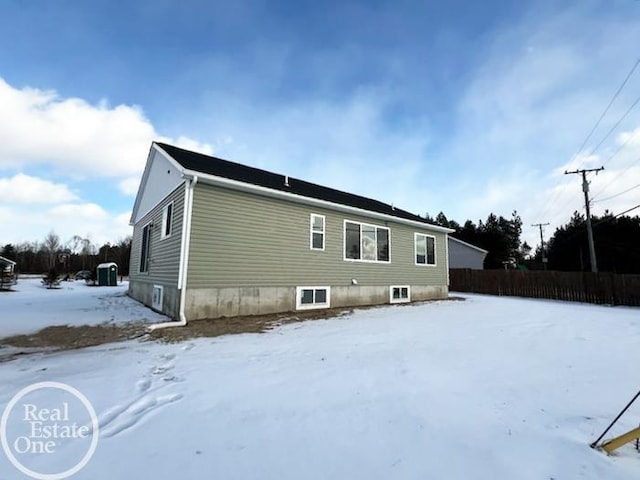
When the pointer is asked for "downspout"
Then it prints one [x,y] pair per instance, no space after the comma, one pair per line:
[446,246]
[184,256]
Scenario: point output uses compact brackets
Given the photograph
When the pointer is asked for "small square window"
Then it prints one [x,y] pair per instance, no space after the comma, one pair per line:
[312,297]
[399,294]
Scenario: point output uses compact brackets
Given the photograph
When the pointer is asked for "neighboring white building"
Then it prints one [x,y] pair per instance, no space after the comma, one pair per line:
[465,255]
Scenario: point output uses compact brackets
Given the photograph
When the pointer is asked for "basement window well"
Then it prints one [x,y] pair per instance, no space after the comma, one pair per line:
[312,297]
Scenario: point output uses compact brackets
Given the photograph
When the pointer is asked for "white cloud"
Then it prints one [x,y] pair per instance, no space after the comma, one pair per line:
[42,131]
[532,101]
[79,212]
[129,186]
[74,137]
[23,188]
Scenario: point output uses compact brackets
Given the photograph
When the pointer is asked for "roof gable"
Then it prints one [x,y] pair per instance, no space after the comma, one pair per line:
[161,176]
[205,164]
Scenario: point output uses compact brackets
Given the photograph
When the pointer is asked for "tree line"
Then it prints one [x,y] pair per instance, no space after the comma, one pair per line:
[69,257]
[616,238]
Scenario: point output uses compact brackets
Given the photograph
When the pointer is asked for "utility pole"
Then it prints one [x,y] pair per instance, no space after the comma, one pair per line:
[544,258]
[585,189]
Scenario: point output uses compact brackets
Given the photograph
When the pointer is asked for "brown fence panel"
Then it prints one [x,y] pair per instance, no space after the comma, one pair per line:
[601,288]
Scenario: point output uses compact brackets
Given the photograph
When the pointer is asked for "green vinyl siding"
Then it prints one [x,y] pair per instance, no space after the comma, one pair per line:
[240,239]
[164,253]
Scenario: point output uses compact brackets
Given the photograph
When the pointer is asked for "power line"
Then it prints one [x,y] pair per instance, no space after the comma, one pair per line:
[619,173]
[612,129]
[551,201]
[616,195]
[613,99]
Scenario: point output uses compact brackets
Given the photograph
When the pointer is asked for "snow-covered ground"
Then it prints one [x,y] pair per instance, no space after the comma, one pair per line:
[487,388]
[30,307]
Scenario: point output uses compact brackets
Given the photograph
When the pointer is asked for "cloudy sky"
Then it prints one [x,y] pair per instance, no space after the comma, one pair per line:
[463,107]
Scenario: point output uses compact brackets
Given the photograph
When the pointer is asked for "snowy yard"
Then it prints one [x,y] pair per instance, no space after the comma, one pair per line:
[31,307]
[486,388]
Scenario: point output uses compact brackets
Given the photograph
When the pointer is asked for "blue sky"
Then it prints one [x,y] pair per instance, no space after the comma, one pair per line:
[462,107]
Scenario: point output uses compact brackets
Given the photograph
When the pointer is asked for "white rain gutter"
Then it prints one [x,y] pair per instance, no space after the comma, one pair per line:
[184,255]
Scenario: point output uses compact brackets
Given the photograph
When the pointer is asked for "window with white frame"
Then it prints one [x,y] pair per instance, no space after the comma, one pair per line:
[366,243]
[316,234]
[313,297]
[167,220]
[157,297]
[425,249]
[399,293]
[145,248]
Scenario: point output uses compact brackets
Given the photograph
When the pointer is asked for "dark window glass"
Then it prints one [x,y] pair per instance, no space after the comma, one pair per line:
[352,241]
[307,297]
[318,240]
[168,220]
[383,245]
[321,296]
[431,251]
[144,248]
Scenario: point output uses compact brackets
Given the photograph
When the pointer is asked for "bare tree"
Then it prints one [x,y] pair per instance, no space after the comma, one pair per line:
[74,244]
[87,249]
[52,245]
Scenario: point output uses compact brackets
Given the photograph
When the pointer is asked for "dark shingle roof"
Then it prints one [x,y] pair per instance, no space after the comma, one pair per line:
[206,164]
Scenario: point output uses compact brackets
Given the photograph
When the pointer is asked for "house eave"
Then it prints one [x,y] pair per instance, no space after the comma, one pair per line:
[292,197]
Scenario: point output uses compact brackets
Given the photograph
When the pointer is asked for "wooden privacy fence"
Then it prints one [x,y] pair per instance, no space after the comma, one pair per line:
[601,288]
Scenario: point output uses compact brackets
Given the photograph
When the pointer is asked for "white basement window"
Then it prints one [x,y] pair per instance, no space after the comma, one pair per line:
[399,293]
[316,233]
[157,297]
[313,297]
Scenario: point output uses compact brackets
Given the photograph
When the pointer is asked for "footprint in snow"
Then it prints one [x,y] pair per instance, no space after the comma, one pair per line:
[120,418]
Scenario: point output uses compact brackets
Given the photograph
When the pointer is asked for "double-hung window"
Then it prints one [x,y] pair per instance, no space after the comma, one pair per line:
[367,243]
[316,234]
[425,249]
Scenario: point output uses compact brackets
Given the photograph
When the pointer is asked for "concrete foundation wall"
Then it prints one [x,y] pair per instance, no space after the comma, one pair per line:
[231,302]
[142,292]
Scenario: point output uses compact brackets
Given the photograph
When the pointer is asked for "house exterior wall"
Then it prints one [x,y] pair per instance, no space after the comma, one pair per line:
[249,252]
[164,255]
[463,256]
[161,179]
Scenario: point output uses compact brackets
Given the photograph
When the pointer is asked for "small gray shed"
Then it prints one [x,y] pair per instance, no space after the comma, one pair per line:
[108,274]
[465,255]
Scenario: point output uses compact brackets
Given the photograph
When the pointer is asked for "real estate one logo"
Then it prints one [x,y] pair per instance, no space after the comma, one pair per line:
[49,431]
